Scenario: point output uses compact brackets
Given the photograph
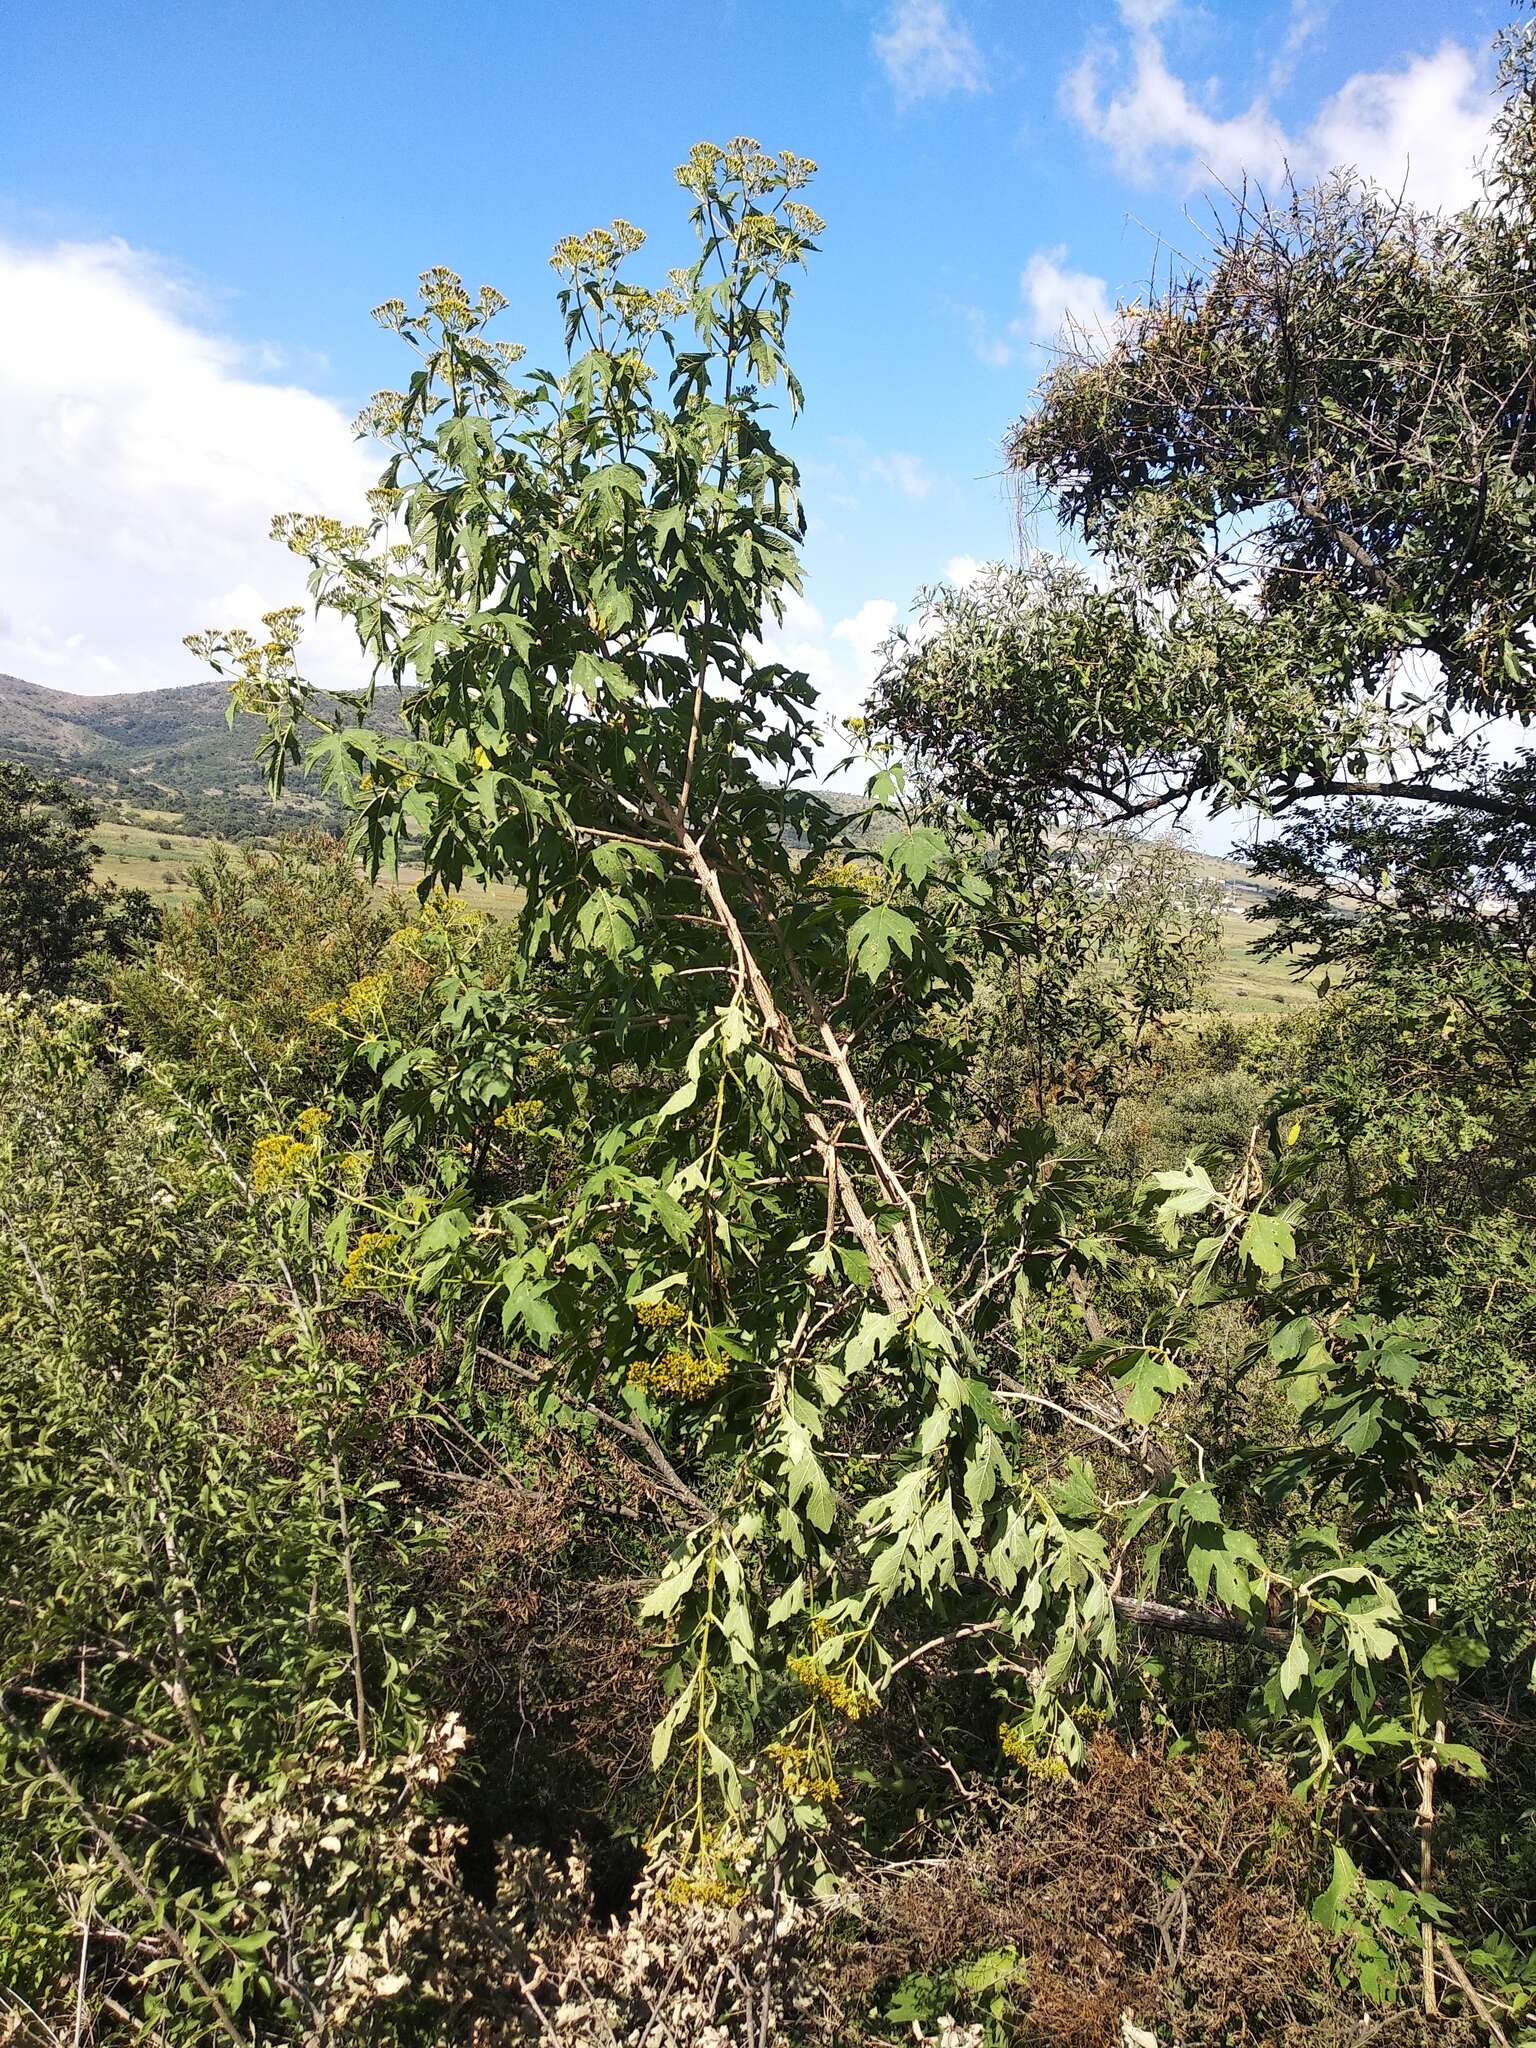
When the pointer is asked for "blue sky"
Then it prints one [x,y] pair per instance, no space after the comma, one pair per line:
[199,203]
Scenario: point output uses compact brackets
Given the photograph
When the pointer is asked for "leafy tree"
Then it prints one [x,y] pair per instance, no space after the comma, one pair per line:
[1304,471]
[1304,475]
[53,913]
[701,1147]
[243,985]
[1116,936]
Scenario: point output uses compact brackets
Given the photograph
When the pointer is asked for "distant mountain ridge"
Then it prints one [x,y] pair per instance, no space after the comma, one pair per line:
[169,752]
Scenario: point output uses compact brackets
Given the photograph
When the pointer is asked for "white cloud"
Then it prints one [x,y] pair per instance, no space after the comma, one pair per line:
[1422,127]
[927,53]
[144,463]
[866,632]
[890,469]
[841,660]
[1308,18]
[906,474]
[1059,299]
[1418,125]
[1153,123]
[1059,305]
[964,570]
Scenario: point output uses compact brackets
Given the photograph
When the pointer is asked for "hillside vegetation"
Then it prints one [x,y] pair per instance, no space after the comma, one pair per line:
[155,756]
[171,777]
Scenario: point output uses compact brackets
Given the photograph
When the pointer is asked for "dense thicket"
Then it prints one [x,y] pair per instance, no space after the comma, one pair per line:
[795,1443]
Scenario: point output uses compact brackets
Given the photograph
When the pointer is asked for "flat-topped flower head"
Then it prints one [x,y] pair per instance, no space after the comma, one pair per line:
[678,1374]
[1021,1748]
[802,1776]
[658,1315]
[519,1118]
[368,1261]
[364,1001]
[701,1888]
[275,1163]
[597,251]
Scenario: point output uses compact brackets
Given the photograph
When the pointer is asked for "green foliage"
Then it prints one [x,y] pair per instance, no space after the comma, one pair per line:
[697,1141]
[1113,939]
[244,987]
[691,1252]
[55,921]
[210,1664]
[1312,586]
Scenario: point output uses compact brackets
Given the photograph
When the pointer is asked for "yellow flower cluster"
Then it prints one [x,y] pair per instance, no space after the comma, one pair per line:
[1020,1748]
[828,1686]
[598,250]
[645,311]
[311,1122]
[849,875]
[745,160]
[694,1888]
[443,293]
[263,673]
[658,1315]
[365,999]
[678,1374]
[541,1060]
[518,1118]
[383,415]
[802,1780]
[354,1169]
[795,170]
[275,1163]
[804,219]
[367,1260]
[312,534]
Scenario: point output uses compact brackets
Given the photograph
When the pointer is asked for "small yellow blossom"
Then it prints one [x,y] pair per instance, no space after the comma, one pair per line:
[367,1260]
[599,250]
[311,1122]
[354,1169]
[275,1162]
[678,1374]
[364,1000]
[801,1777]
[1021,1750]
[829,1686]
[519,1118]
[695,1888]
[852,877]
[658,1315]
[383,415]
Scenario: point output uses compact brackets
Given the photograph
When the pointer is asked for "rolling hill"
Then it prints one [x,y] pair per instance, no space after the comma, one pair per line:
[164,755]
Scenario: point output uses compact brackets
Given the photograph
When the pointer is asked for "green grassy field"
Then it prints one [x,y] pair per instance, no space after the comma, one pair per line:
[147,856]
[153,857]
[1246,986]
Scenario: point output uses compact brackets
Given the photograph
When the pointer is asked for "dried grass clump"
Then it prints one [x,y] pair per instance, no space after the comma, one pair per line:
[1175,1889]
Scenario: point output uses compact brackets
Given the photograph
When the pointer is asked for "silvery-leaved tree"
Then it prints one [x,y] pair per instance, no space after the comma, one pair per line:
[750,1221]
